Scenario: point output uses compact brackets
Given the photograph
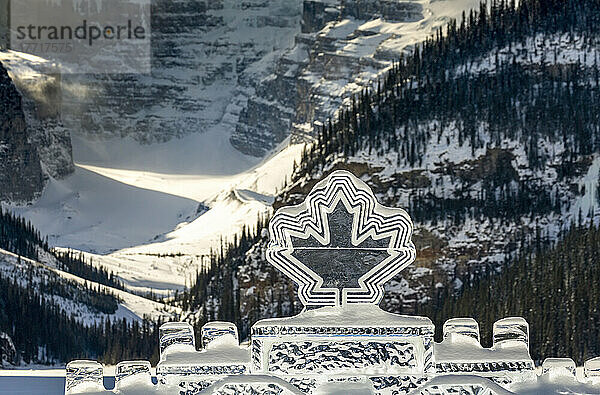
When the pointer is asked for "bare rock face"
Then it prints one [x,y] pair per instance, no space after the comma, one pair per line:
[39,84]
[21,176]
[390,10]
[342,49]
[201,50]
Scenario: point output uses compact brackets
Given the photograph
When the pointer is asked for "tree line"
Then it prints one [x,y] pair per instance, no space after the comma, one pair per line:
[555,289]
[20,237]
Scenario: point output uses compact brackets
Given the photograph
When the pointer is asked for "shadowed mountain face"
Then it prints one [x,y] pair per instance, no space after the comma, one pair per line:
[20,170]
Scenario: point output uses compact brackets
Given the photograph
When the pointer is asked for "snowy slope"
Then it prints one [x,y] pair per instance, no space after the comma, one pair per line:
[151,213]
[130,307]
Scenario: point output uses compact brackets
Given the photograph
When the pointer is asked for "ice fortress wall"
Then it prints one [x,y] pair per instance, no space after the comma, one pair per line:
[340,246]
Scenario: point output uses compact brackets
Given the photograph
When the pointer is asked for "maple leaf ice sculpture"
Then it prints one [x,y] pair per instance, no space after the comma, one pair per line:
[340,245]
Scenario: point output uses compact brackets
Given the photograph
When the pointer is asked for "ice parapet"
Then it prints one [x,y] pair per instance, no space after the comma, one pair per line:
[193,371]
[133,374]
[511,331]
[83,377]
[340,246]
[461,326]
[591,369]
[558,367]
[176,335]
[215,329]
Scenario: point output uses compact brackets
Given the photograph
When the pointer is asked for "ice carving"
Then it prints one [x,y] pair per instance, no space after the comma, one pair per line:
[84,376]
[212,330]
[591,370]
[558,367]
[506,362]
[340,245]
[461,326]
[133,374]
[346,388]
[511,331]
[252,385]
[463,385]
[179,335]
[338,357]
[359,338]
[194,371]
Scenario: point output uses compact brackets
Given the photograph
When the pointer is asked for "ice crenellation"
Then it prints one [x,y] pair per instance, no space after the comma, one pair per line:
[342,342]
[360,350]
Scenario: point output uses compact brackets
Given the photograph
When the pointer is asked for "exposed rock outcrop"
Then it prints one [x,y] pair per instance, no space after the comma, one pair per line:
[20,170]
[200,50]
[344,45]
[40,85]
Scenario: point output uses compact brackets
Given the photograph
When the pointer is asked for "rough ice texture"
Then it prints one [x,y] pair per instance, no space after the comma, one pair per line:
[217,329]
[397,384]
[254,385]
[350,316]
[464,385]
[340,357]
[462,348]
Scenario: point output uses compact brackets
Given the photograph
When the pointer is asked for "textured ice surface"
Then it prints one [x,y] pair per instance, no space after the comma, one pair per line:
[463,385]
[178,335]
[215,329]
[462,326]
[84,376]
[252,385]
[331,357]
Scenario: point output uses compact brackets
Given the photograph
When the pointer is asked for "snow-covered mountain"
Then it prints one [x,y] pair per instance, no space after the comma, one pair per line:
[77,296]
[153,212]
[344,47]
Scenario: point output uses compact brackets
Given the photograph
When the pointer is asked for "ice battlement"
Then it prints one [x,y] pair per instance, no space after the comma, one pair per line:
[340,246]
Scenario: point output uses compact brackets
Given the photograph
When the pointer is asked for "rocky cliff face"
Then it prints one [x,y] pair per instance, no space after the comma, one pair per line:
[262,68]
[20,170]
[200,51]
[40,86]
[343,47]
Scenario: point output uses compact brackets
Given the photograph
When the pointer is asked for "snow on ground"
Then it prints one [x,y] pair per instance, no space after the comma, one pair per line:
[155,227]
[233,201]
[131,307]
[152,213]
